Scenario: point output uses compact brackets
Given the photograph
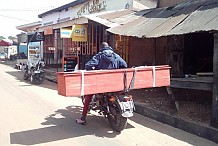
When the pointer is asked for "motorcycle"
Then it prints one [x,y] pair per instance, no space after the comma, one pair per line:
[35,72]
[117,107]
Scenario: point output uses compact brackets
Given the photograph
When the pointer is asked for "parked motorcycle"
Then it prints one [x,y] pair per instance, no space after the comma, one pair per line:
[116,107]
[35,72]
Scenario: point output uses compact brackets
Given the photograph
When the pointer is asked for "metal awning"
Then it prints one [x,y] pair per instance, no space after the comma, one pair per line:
[80,20]
[187,17]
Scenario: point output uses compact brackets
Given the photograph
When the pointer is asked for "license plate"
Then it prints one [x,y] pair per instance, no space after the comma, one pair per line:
[126,105]
[37,71]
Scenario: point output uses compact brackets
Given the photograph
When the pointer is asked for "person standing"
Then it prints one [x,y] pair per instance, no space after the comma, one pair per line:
[105,59]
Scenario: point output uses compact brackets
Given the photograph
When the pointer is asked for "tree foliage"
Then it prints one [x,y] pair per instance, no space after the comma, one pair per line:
[11,38]
[1,37]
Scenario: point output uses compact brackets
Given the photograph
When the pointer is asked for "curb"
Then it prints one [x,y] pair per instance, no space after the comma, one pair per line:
[200,130]
[50,79]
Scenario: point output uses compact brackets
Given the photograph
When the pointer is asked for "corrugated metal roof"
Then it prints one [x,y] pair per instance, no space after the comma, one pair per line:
[188,17]
[111,18]
[94,17]
[203,19]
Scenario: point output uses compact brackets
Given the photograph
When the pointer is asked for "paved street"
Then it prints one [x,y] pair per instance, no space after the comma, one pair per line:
[37,115]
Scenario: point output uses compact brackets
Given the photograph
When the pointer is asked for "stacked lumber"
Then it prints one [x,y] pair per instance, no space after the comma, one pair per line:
[101,81]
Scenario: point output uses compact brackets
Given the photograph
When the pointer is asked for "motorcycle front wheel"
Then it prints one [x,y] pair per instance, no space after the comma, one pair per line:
[25,76]
[38,78]
[116,120]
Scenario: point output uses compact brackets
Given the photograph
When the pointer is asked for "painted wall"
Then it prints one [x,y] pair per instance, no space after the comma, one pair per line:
[148,3]
[166,3]
[82,9]
[2,48]
[9,50]
[12,50]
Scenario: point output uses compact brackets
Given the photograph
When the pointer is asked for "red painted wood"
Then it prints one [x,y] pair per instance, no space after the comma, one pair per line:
[101,81]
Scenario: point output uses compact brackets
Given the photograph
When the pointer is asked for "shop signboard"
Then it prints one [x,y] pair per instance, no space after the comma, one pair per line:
[34,52]
[66,33]
[69,63]
[36,37]
[48,31]
[79,32]
[22,38]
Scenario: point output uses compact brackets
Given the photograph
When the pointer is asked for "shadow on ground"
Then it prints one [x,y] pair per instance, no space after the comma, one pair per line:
[18,74]
[64,127]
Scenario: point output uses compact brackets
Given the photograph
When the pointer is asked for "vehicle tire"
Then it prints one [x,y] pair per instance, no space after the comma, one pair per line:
[116,120]
[38,78]
[25,76]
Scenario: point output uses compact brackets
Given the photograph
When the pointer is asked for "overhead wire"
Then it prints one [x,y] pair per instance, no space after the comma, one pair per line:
[23,10]
[27,9]
[13,17]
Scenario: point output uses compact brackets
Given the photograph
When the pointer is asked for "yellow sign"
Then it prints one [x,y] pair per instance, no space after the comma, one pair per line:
[66,33]
[80,32]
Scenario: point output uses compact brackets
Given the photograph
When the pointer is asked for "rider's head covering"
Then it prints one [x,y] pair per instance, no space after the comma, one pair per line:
[105,46]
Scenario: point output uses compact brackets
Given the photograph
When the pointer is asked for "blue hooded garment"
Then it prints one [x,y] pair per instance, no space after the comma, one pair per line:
[106,59]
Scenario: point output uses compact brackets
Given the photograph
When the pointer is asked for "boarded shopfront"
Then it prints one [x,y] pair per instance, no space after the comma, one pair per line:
[190,29]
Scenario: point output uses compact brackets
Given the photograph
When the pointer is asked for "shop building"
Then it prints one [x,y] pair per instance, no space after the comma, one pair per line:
[60,24]
[29,41]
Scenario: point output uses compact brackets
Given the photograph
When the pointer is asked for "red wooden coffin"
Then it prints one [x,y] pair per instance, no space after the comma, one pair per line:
[100,81]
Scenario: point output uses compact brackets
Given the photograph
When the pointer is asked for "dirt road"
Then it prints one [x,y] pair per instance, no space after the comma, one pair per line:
[37,115]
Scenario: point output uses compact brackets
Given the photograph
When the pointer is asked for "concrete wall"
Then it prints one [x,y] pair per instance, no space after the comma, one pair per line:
[84,9]
[2,48]
[9,50]
[148,3]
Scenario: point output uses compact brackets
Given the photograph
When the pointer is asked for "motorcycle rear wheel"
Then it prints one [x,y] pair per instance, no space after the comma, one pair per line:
[116,120]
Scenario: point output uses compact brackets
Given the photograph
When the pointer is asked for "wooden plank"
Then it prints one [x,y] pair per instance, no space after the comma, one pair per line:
[196,79]
[176,55]
[101,81]
[214,117]
[204,73]
[185,84]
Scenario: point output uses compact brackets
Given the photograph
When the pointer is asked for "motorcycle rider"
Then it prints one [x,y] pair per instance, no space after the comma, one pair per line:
[105,59]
